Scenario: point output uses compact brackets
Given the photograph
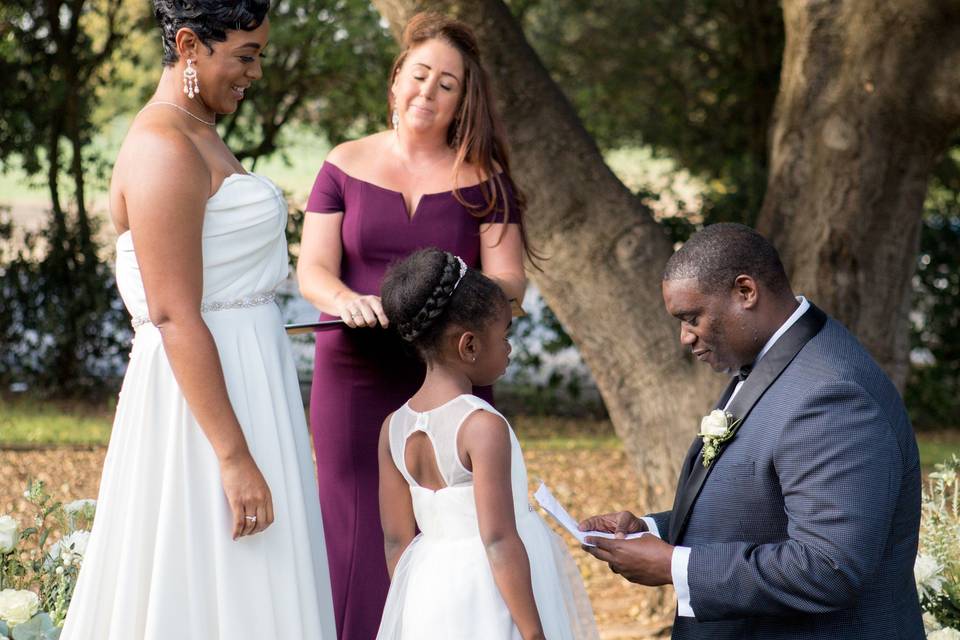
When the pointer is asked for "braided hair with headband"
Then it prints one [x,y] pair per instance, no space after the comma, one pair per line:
[425,293]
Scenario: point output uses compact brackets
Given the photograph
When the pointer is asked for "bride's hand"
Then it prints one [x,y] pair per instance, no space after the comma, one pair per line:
[248,495]
[363,311]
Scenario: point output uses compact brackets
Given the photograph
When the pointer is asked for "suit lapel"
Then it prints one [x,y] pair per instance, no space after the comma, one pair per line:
[693,456]
[763,375]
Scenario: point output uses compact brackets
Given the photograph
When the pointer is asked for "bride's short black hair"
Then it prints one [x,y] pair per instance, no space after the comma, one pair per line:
[421,298]
[209,19]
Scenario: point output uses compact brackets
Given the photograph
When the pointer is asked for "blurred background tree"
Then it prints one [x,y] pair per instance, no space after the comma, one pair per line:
[694,82]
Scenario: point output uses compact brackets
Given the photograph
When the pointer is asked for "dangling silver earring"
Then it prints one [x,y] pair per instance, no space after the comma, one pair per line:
[191,86]
[395,120]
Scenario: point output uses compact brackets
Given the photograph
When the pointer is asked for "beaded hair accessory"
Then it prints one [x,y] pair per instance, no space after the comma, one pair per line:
[463,272]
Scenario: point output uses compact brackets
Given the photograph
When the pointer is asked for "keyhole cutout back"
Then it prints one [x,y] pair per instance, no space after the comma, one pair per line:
[420,458]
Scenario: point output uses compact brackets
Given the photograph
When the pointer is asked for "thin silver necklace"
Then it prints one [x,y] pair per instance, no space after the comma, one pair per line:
[186,111]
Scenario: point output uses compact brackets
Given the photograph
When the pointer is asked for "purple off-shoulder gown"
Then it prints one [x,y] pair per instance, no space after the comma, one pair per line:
[361,375]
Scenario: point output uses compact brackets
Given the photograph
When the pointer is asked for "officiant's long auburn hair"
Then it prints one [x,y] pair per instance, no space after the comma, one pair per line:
[477,130]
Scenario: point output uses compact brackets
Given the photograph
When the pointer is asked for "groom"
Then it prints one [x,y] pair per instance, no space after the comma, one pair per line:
[804,524]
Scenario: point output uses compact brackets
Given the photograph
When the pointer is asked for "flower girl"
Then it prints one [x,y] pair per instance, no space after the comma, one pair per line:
[484,565]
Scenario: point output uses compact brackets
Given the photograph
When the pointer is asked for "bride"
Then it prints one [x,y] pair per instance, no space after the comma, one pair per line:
[208,524]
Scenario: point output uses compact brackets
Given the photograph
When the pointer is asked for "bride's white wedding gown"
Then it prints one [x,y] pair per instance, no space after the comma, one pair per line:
[161,562]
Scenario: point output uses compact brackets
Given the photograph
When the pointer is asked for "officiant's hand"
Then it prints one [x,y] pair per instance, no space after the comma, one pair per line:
[620,523]
[361,311]
[645,560]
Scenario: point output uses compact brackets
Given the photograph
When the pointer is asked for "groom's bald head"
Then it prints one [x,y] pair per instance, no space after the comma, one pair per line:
[717,254]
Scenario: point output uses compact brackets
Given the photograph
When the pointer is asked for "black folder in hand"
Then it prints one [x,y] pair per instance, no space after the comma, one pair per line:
[310,327]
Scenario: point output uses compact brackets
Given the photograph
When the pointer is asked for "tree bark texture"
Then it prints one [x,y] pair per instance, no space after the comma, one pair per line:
[606,254]
[868,99]
[869,94]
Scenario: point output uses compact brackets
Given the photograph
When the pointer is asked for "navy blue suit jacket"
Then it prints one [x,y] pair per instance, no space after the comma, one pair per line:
[806,525]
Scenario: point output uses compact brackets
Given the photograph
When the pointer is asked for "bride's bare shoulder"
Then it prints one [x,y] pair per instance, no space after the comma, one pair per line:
[157,152]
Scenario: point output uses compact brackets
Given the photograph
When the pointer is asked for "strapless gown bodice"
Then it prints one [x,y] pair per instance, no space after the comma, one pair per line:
[244,247]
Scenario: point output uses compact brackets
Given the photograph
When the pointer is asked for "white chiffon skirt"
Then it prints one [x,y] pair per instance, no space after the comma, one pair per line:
[161,562]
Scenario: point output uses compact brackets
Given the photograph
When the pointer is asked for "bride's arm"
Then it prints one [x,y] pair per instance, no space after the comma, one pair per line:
[165,207]
[396,505]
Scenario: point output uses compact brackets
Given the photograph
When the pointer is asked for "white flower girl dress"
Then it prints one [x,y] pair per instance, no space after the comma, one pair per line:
[443,587]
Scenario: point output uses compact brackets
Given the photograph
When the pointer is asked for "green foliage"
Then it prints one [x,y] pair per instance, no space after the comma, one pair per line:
[63,328]
[933,388]
[938,565]
[695,79]
[39,627]
[53,57]
[49,570]
[325,68]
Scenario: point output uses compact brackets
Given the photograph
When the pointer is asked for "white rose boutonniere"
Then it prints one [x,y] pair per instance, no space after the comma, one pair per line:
[716,429]
[8,534]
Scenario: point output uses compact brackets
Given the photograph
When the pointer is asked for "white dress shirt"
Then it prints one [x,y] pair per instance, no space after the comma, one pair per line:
[681,555]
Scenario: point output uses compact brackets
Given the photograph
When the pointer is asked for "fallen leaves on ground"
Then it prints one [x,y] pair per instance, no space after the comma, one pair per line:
[586,482]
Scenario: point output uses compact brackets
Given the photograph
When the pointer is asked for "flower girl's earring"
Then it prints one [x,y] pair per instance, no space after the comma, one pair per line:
[191,86]
[395,120]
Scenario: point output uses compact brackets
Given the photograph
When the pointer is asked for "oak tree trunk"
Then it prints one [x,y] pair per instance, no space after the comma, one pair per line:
[869,94]
[606,253]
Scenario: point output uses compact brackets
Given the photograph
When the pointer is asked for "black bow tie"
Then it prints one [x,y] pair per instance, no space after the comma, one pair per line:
[744,372]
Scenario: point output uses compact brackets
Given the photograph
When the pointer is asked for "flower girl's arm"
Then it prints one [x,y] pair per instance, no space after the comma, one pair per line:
[396,506]
[486,442]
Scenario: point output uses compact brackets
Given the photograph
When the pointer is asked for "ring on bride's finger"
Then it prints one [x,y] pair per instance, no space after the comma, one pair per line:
[250,518]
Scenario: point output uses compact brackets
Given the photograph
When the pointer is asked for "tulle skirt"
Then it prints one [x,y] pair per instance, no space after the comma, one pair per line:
[443,589]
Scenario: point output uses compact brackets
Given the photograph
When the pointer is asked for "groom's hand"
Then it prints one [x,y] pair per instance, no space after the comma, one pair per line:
[645,560]
[620,523]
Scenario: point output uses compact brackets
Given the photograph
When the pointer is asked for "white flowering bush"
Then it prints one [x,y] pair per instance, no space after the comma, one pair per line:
[38,574]
[937,568]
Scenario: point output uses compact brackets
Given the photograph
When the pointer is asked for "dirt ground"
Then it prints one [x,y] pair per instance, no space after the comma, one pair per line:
[585,481]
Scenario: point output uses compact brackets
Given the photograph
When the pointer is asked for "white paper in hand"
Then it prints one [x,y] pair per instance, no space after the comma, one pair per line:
[546,500]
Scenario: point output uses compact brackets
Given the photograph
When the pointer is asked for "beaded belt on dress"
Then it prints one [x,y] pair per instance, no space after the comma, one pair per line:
[242,303]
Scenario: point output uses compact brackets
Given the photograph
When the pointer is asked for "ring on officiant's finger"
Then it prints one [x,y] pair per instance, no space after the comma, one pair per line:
[250,518]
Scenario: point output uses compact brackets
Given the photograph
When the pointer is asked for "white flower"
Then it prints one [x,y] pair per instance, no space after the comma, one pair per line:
[930,623]
[946,633]
[80,506]
[70,547]
[17,607]
[926,571]
[8,534]
[714,425]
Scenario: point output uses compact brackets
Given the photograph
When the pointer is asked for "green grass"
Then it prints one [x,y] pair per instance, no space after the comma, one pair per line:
[26,422]
[938,446]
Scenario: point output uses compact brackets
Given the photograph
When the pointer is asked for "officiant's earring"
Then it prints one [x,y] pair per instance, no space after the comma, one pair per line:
[191,86]
[395,120]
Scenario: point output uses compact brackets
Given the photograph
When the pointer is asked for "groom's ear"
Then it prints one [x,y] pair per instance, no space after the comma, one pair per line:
[746,291]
